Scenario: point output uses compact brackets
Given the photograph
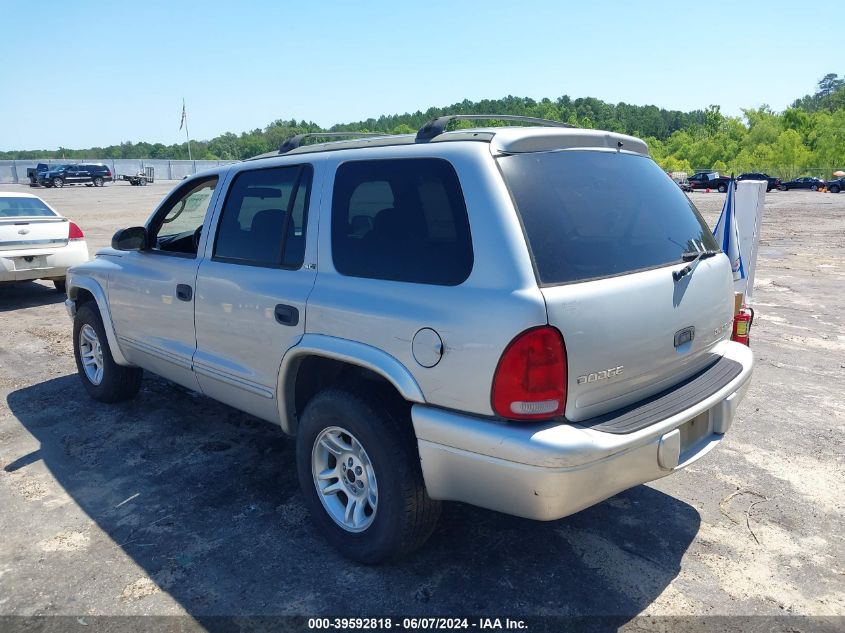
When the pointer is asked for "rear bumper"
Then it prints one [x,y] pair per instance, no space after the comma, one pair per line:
[48,263]
[555,470]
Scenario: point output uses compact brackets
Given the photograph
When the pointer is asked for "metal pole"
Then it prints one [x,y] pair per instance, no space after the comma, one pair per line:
[187,136]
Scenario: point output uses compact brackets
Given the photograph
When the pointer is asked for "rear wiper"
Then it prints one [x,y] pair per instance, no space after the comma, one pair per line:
[692,257]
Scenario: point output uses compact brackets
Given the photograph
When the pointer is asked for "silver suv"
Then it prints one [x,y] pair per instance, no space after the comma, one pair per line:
[528,319]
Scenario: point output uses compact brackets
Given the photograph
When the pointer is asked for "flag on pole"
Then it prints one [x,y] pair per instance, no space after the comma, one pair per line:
[184,115]
[727,234]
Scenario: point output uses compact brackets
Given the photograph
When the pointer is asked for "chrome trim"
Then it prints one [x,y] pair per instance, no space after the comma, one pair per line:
[234,381]
[60,241]
[170,357]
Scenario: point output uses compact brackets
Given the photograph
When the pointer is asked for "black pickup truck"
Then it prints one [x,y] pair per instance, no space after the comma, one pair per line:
[774,183]
[709,180]
[33,173]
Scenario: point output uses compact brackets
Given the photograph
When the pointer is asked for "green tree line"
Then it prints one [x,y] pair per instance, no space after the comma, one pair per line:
[808,137]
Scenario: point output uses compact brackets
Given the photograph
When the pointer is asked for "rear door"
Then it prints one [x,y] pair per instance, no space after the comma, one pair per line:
[606,230]
[253,285]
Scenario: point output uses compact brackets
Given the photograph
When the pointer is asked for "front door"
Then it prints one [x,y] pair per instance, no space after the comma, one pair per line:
[151,295]
[253,285]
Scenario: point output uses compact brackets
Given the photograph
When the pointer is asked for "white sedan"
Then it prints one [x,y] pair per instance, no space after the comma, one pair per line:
[36,242]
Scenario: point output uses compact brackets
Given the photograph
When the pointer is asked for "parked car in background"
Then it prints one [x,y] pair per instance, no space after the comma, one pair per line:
[95,174]
[432,319]
[774,183]
[806,182]
[709,180]
[33,173]
[684,185]
[36,242]
[836,185]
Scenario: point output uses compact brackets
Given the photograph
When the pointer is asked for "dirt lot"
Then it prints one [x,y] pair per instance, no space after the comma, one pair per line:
[175,504]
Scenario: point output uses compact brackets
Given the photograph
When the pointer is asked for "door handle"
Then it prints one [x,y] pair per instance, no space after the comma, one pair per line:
[184,292]
[286,315]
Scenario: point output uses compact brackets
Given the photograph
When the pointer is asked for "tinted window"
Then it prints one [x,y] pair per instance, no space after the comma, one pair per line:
[403,220]
[590,214]
[264,217]
[14,207]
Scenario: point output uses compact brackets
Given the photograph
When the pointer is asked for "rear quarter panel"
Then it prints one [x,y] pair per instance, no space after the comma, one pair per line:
[475,320]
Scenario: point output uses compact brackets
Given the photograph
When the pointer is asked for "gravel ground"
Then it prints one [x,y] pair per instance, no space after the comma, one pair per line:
[175,504]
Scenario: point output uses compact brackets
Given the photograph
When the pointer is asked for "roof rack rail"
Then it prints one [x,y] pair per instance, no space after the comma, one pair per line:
[438,126]
[296,141]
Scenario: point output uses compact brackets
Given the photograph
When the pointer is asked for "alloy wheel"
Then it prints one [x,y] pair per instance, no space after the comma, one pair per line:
[91,354]
[344,478]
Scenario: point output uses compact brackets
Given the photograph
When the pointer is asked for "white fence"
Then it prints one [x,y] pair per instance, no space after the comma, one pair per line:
[14,171]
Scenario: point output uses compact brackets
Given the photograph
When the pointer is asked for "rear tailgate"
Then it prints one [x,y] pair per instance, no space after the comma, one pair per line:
[22,233]
[620,332]
[606,229]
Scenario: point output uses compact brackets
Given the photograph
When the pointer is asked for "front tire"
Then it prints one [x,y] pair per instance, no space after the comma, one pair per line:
[58,182]
[360,475]
[103,379]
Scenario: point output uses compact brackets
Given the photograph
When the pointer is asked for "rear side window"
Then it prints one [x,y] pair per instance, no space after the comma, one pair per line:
[401,220]
[590,214]
[264,217]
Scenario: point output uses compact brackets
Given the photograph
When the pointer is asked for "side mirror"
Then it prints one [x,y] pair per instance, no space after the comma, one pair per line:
[132,239]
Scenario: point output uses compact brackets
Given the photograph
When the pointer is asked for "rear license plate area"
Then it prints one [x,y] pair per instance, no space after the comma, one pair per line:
[693,431]
[28,263]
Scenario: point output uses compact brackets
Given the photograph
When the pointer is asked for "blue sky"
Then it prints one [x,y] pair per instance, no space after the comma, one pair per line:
[85,73]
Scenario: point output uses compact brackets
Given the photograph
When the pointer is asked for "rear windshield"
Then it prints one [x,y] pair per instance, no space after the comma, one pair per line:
[23,207]
[590,214]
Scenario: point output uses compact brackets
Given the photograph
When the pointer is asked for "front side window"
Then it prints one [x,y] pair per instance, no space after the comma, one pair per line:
[264,217]
[178,226]
[401,220]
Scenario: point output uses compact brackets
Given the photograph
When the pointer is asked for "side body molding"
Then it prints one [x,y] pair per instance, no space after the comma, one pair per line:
[346,351]
[79,282]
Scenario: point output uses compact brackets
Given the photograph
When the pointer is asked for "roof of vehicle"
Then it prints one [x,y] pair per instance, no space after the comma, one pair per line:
[503,140]
[552,135]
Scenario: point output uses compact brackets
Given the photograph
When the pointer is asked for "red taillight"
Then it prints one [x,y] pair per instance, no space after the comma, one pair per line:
[74,232]
[742,325]
[530,381]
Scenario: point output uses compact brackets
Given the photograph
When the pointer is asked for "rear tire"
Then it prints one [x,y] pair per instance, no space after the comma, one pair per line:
[362,428]
[723,188]
[98,182]
[61,285]
[835,189]
[114,382]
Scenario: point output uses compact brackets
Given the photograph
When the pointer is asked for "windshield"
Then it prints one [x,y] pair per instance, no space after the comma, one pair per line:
[590,214]
[23,207]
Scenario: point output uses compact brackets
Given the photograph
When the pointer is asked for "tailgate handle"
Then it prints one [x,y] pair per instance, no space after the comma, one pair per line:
[684,336]
[286,315]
